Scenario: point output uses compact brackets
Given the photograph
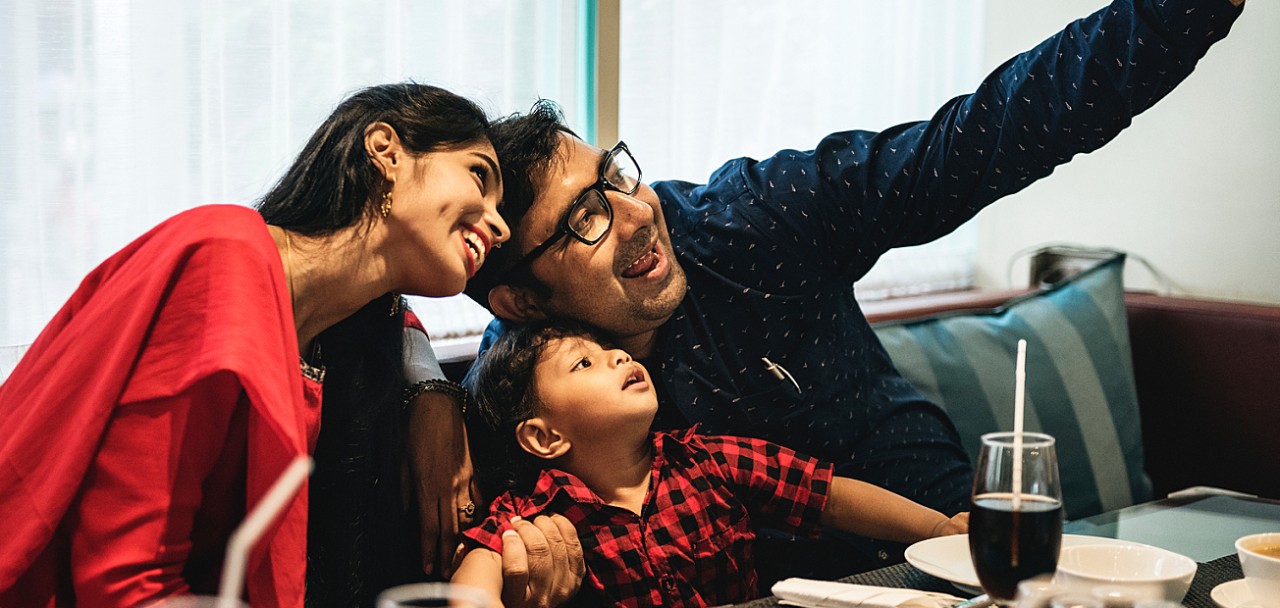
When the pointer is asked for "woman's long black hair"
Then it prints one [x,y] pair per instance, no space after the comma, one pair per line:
[361,538]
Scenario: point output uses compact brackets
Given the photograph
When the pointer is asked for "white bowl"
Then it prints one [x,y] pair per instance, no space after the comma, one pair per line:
[1145,572]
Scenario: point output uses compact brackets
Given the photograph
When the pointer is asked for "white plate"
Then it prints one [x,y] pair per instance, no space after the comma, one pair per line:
[947,557]
[1233,594]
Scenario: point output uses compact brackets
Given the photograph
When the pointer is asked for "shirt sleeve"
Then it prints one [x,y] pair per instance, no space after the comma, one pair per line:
[420,361]
[488,533]
[781,488]
[857,194]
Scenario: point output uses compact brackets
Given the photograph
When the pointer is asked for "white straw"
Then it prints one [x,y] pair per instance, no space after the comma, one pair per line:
[1020,379]
[247,533]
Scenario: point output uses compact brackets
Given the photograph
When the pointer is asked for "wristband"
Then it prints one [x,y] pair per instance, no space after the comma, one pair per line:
[448,387]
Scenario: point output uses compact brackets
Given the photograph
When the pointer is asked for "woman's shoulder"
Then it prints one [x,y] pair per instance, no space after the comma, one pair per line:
[234,221]
[215,234]
[228,227]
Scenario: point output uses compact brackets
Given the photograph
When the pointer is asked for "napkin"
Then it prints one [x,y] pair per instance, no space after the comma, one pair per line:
[830,594]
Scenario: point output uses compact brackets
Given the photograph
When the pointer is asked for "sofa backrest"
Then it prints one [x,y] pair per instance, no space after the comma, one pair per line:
[1208,377]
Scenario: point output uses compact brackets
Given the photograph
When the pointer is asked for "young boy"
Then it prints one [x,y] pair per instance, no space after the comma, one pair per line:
[561,423]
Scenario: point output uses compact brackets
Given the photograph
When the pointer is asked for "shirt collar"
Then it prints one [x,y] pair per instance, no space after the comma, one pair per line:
[553,483]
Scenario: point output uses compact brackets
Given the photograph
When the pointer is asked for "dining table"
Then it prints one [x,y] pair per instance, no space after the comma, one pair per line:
[1201,523]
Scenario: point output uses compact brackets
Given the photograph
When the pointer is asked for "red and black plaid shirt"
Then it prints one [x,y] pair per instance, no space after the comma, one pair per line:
[692,546]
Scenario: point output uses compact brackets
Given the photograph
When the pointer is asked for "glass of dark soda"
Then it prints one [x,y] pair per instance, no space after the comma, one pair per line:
[1015,531]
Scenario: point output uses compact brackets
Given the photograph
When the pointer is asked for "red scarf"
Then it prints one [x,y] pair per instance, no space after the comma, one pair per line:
[202,293]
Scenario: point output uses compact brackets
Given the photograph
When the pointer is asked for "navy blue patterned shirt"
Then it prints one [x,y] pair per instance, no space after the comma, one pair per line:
[772,248]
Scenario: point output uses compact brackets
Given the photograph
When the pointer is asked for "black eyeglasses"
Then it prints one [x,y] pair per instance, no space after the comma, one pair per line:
[590,216]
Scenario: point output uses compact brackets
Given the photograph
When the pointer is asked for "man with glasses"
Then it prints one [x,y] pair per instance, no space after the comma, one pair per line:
[737,294]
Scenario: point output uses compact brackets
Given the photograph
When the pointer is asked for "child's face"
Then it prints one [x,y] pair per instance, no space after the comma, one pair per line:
[588,391]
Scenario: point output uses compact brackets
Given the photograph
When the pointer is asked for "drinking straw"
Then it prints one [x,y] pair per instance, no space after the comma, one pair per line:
[1020,379]
[252,527]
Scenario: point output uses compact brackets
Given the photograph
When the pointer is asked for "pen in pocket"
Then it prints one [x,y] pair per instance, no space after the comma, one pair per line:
[780,373]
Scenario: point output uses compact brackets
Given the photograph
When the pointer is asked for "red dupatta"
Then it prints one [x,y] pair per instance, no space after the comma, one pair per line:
[210,280]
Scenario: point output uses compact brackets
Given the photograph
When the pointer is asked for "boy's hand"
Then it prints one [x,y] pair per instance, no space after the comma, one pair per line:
[959,524]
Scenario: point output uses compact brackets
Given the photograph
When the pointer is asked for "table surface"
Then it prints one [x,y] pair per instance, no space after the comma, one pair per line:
[1137,523]
[1208,576]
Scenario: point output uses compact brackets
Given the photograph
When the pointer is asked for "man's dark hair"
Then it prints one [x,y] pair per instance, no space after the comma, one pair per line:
[502,395]
[526,145]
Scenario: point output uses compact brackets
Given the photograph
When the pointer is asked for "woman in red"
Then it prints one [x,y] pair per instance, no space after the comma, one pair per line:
[186,371]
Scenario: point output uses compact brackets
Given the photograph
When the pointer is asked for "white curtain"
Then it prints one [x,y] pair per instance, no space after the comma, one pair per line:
[115,114]
[703,82]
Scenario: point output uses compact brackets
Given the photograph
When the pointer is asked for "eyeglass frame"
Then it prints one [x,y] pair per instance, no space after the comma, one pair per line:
[600,189]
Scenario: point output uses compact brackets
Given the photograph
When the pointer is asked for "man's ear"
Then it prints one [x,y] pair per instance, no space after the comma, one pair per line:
[537,437]
[382,143]
[517,304]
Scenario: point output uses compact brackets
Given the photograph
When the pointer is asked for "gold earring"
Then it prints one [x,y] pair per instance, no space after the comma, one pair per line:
[385,207]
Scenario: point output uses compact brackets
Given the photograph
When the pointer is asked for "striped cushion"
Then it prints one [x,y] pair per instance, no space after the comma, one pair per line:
[1079,382]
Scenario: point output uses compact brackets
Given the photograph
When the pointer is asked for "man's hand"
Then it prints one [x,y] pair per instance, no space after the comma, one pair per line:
[541,562]
[440,471]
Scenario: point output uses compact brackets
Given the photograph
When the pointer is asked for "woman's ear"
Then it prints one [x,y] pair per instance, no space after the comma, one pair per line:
[537,437]
[516,304]
[382,143]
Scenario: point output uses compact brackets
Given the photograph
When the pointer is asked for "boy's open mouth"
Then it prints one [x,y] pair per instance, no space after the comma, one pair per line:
[635,377]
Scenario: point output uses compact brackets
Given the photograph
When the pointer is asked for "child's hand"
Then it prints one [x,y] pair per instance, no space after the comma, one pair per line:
[956,525]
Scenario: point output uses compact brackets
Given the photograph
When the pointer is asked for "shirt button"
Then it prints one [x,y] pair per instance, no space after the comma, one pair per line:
[883,555]
[669,583]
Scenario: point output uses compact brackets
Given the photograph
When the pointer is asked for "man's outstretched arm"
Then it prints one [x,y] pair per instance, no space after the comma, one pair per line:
[863,193]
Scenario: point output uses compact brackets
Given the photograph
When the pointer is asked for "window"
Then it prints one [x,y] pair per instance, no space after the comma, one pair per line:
[704,82]
[115,114]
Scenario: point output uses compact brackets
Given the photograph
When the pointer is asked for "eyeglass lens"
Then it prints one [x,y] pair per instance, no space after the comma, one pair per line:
[590,216]
[621,172]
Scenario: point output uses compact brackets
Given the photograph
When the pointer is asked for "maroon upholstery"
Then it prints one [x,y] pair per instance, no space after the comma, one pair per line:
[1208,376]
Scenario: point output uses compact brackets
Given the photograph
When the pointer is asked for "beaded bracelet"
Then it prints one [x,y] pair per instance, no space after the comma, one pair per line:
[448,387]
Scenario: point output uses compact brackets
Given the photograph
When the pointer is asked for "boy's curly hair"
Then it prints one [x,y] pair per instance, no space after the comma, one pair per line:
[503,395]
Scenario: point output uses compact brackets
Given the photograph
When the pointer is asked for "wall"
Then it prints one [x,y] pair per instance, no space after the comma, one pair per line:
[1193,185]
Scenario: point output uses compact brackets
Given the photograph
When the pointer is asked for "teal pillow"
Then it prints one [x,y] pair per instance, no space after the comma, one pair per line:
[1079,380]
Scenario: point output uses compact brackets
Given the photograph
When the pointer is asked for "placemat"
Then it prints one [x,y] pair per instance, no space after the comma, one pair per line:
[1208,575]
